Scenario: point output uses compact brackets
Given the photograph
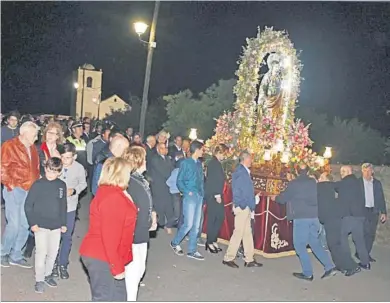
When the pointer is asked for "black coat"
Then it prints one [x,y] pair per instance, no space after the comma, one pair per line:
[160,170]
[351,196]
[215,178]
[328,206]
[379,196]
[150,153]
[173,151]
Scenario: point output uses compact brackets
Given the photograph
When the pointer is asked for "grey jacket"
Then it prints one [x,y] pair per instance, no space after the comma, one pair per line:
[74,177]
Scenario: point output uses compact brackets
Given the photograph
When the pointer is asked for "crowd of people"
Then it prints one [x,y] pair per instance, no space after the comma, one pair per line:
[138,187]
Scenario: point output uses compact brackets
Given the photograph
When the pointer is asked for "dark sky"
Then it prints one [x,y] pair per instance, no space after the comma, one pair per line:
[345,50]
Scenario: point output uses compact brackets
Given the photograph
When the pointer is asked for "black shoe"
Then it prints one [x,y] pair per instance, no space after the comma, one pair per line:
[351,272]
[372,260]
[50,281]
[211,249]
[329,273]
[302,276]
[64,273]
[343,271]
[366,267]
[231,264]
[254,263]
[55,273]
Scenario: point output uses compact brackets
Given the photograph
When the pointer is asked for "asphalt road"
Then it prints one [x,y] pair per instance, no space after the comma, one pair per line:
[173,278]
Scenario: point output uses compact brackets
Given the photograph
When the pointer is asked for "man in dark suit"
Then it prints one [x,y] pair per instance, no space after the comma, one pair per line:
[176,148]
[375,205]
[244,203]
[302,208]
[351,198]
[150,151]
[160,170]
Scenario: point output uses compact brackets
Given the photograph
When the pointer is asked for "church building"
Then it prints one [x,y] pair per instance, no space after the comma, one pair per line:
[88,96]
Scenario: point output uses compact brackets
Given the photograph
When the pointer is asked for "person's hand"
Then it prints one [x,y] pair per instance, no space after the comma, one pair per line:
[273,197]
[153,227]
[63,229]
[383,218]
[70,192]
[218,199]
[120,276]
[35,228]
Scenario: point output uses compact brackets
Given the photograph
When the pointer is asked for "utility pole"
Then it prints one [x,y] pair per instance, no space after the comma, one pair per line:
[82,96]
[151,46]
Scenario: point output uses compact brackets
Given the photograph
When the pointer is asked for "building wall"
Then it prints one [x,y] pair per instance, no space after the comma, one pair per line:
[113,103]
[382,173]
[91,94]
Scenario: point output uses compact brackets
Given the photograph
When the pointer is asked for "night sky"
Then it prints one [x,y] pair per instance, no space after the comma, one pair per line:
[345,50]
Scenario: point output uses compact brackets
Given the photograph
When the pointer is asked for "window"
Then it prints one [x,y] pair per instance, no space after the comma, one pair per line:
[89,82]
[114,99]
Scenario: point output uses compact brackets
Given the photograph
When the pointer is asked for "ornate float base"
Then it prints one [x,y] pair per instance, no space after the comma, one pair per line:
[272,231]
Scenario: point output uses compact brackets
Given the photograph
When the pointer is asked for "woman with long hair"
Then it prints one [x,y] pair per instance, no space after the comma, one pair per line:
[215,182]
[146,220]
[107,247]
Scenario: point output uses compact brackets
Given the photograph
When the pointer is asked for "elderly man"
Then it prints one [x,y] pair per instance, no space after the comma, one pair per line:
[351,199]
[375,205]
[150,150]
[302,208]
[244,203]
[19,170]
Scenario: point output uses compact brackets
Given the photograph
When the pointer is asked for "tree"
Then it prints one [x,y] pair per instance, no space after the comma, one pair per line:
[155,116]
[186,111]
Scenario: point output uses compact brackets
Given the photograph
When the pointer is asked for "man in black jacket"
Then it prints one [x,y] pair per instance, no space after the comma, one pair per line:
[176,148]
[160,170]
[351,197]
[329,214]
[375,205]
[302,208]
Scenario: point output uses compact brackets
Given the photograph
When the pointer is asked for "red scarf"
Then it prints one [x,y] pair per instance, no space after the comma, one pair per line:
[45,150]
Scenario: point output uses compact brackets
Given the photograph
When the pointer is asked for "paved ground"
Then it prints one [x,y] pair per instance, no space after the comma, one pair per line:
[173,278]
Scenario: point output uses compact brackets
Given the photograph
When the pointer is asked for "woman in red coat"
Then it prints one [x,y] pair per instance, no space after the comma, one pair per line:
[107,246]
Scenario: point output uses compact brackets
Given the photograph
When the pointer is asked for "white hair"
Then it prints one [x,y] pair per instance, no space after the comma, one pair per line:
[27,126]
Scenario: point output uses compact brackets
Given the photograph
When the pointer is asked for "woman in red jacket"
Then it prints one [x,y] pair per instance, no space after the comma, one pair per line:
[107,246]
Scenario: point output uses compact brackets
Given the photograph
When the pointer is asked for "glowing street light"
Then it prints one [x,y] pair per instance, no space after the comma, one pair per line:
[140,28]
[328,152]
[76,85]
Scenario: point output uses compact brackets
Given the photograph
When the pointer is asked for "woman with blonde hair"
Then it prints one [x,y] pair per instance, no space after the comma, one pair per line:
[146,220]
[107,247]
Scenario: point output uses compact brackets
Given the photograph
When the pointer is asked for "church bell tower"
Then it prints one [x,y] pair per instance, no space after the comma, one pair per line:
[88,85]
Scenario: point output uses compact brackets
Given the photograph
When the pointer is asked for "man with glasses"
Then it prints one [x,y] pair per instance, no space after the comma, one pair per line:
[19,170]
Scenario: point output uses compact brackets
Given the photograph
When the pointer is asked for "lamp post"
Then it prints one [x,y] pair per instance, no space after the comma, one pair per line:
[140,28]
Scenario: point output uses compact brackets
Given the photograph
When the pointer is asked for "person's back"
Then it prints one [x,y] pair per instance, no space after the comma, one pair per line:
[351,196]
[8,133]
[328,206]
[301,198]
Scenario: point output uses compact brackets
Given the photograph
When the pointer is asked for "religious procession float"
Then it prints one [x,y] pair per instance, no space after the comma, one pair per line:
[263,123]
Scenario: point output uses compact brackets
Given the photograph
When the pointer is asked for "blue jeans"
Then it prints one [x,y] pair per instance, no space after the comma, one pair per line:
[16,230]
[306,232]
[66,239]
[192,212]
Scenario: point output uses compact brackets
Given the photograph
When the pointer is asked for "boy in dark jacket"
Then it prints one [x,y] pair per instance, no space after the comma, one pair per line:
[46,210]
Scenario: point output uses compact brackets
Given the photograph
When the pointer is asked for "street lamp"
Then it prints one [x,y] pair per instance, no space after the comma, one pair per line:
[193,134]
[140,28]
[76,85]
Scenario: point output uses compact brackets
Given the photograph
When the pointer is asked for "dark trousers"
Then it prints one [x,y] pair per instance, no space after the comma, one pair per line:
[370,226]
[90,175]
[164,210]
[177,208]
[215,217]
[354,226]
[333,238]
[66,239]
[103,285]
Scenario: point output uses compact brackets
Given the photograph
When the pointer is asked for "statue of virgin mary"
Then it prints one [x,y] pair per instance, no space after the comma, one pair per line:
[270,91]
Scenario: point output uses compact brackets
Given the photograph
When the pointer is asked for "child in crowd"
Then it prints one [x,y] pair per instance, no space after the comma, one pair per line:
[46,215]
[73,174]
